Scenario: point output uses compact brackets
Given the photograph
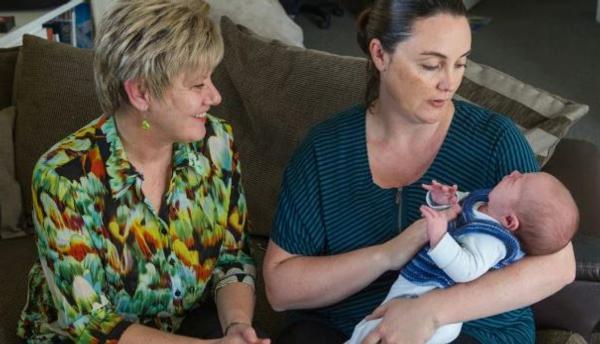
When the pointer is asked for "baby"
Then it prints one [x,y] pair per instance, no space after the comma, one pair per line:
[532,211]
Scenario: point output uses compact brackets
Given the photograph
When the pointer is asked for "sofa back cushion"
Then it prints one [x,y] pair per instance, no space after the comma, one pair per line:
[284,91]
[55,95]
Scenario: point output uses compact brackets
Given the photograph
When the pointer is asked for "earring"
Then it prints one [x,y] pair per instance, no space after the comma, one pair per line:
[145,124]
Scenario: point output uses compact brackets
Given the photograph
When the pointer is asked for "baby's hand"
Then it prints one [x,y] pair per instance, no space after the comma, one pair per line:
[442,194]
[437,224]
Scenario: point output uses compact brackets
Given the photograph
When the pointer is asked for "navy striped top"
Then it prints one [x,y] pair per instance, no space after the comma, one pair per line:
[329,204]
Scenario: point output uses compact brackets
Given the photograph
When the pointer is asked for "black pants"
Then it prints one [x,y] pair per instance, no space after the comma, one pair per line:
[310,331]
[315,332]
[203,322]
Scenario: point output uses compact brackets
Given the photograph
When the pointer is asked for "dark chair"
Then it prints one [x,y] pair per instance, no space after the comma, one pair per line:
[319,11]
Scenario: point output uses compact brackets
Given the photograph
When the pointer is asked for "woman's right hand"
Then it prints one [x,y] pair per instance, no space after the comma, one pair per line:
[244,336]
[403,320]
[395,250]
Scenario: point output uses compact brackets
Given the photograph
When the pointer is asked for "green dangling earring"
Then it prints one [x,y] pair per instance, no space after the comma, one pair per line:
[145,124]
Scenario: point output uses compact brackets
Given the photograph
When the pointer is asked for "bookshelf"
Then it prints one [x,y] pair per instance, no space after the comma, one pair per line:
[30,22]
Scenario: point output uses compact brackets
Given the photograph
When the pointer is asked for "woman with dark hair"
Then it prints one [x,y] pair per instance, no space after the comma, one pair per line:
[339,239]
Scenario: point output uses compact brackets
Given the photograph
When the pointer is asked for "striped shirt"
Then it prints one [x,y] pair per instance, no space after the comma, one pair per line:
[329,204]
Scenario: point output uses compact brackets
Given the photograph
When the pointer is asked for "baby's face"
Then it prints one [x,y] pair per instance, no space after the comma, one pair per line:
[504,196]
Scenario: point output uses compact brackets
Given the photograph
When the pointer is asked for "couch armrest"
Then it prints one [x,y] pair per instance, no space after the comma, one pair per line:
[576,163]
[576,307]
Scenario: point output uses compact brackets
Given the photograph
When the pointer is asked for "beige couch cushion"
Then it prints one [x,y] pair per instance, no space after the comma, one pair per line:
[54,96]
[285,90]
[10,193]
[543,117]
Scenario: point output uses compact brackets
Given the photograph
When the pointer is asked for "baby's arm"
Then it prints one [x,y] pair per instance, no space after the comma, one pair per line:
[468,257]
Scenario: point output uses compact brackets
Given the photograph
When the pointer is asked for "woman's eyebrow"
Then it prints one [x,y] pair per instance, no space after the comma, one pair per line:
[440,55]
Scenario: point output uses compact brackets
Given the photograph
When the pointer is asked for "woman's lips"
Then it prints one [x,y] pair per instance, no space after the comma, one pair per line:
[437,103]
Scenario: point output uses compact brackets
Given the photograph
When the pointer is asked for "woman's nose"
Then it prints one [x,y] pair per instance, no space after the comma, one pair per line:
[450,81]
[214,97]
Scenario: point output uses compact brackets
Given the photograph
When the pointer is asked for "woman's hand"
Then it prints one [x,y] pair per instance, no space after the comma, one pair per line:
[246,333]
[398,251]
[240,334]
[403,320]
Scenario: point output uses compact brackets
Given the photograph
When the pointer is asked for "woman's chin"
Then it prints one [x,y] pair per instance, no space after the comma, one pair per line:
[196,135]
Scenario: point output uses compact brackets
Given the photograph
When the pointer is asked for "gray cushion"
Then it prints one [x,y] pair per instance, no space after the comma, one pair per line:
[543,117]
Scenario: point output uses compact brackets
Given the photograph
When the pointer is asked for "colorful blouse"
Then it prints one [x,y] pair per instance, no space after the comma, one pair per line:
[107,258]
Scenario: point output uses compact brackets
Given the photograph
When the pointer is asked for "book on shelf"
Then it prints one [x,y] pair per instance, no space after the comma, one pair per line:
[60,29]
[6,23]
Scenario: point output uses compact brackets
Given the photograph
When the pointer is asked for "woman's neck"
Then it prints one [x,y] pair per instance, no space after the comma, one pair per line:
[387,125]
[143,147]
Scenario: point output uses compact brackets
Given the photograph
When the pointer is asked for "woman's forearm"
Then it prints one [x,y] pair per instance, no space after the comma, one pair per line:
[235,304]
[521,284]
[294,282]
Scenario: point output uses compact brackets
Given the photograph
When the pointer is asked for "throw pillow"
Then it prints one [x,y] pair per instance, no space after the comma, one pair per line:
[10,192]
[286,90]
[55,95]
[277,112]
[543,117]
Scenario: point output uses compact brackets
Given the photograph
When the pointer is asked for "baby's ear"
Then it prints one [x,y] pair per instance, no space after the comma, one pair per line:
[511,222]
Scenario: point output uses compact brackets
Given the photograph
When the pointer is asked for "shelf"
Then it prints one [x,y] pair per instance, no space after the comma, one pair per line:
[30,22]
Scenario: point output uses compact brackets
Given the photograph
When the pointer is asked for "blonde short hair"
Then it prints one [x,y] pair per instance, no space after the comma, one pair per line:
[152,41]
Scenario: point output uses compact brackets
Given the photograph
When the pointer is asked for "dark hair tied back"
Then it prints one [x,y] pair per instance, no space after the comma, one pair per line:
[361,34]
[391,22]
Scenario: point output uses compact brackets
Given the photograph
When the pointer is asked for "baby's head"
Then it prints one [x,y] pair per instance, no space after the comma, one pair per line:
[538,208]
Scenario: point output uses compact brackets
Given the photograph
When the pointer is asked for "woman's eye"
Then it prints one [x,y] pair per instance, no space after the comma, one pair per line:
[431,67]
[461,65]
[199,86]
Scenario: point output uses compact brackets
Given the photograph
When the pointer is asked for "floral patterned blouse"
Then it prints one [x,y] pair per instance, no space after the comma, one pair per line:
[108,259]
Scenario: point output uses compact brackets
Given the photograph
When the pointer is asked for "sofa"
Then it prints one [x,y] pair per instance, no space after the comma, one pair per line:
[272,93]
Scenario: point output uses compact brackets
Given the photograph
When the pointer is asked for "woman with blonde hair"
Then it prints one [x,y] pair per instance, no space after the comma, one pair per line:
[140,215]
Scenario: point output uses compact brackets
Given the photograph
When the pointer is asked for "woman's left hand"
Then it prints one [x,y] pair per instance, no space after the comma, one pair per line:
[244,333]
[402,321]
